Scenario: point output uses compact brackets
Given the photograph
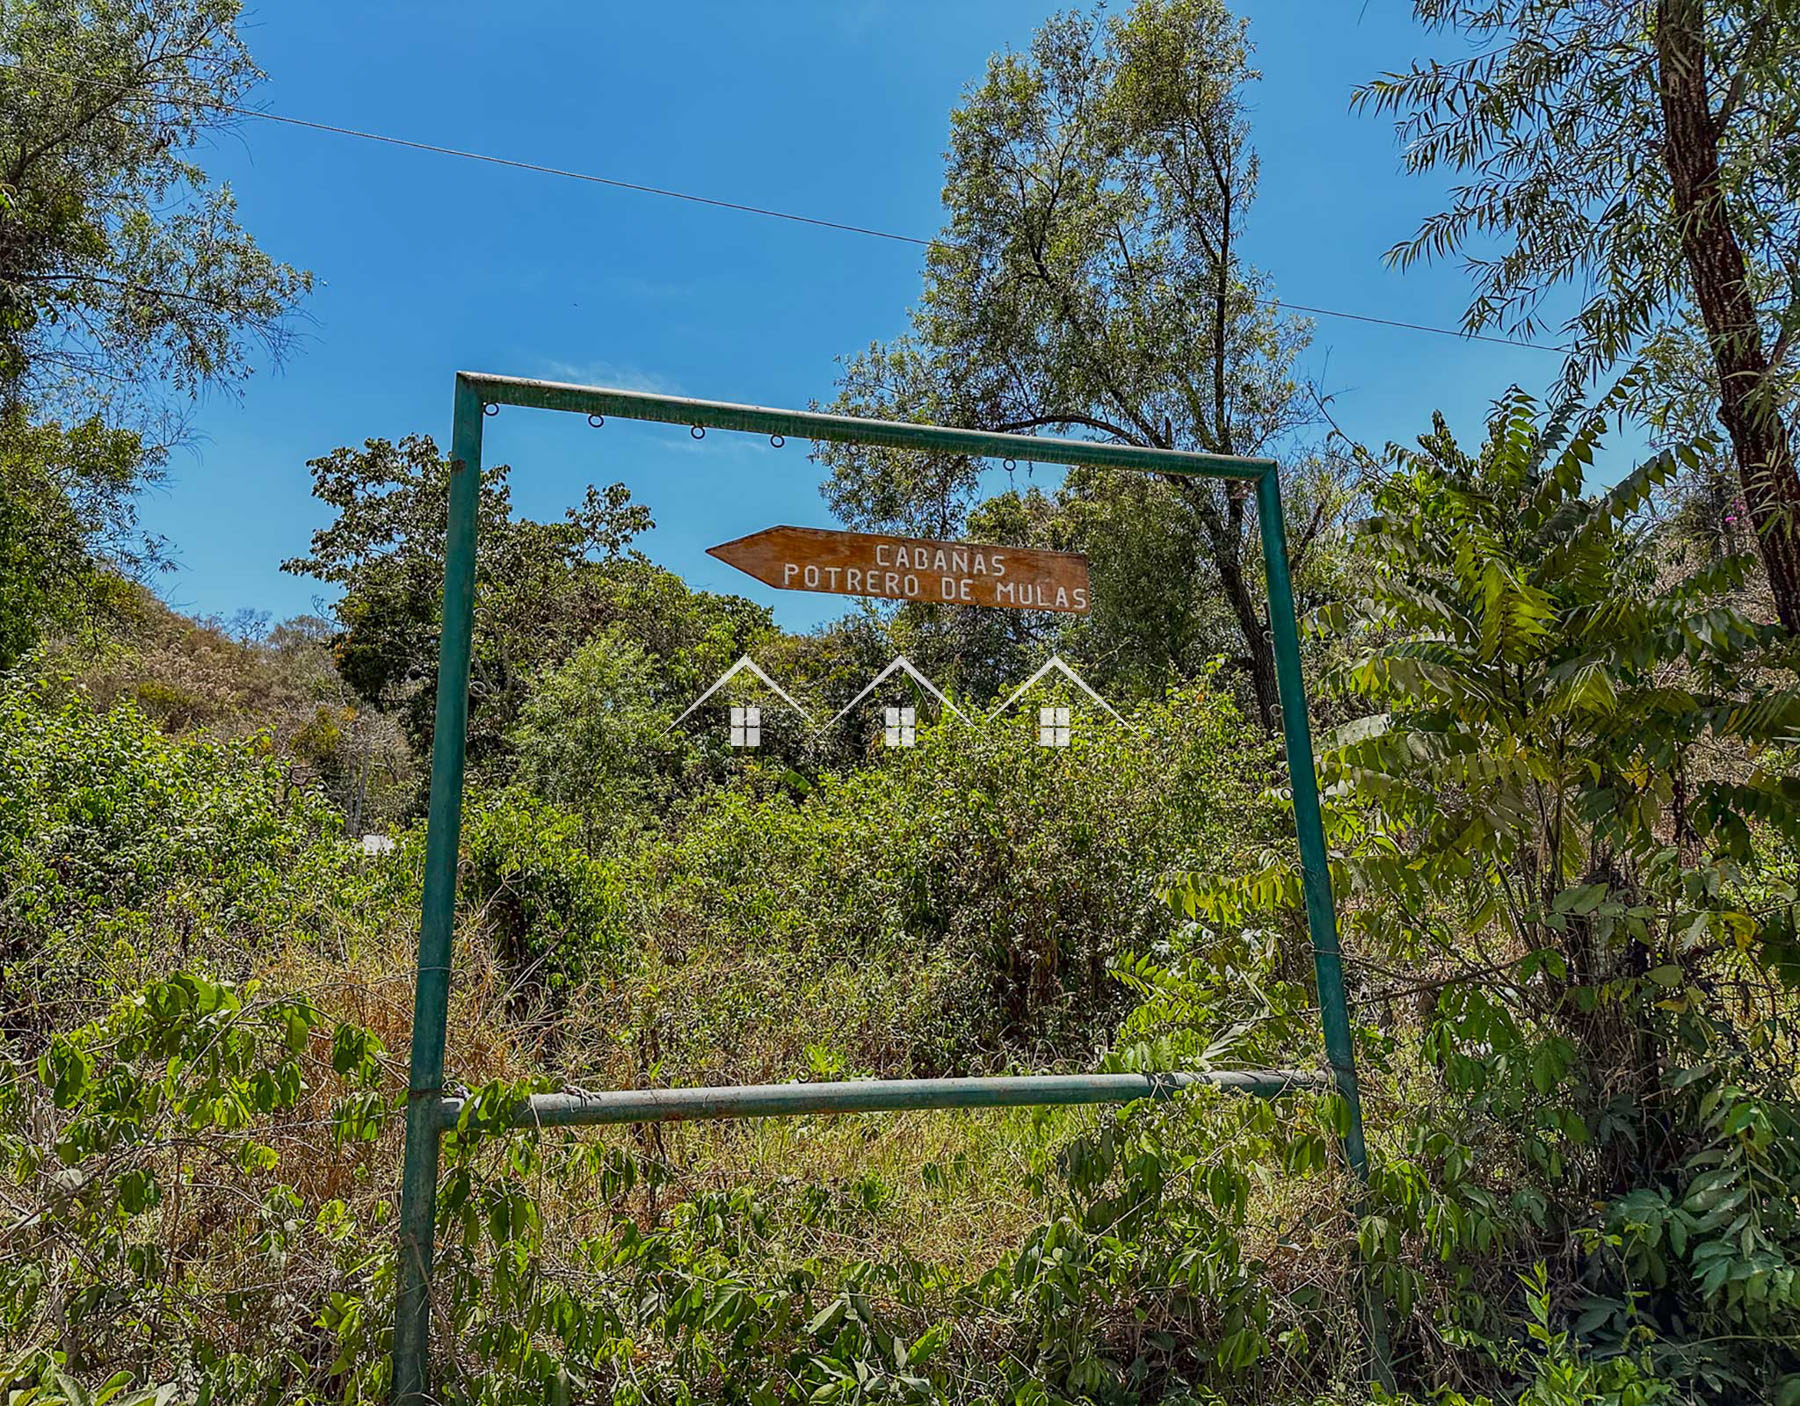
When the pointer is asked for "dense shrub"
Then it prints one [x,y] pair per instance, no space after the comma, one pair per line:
[1152,1275]
[944,909]
[1564,844]
[188,1155]
[595,735]
[1567,841]
[187,1142]
[241,678]
[552,911]
[124,851]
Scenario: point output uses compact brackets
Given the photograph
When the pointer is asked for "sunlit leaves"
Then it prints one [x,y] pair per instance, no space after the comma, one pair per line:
[68,524]
[1092,280]
[1629,163]
[1556,125]
[123,271]
[1566,823]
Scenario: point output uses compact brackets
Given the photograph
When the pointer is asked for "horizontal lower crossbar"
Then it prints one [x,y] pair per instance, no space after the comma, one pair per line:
[878,1095]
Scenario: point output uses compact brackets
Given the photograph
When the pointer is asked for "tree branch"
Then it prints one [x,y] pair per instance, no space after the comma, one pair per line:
[1070,418]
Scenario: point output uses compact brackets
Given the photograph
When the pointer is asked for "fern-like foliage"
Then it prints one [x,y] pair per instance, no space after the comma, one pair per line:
[1564,836]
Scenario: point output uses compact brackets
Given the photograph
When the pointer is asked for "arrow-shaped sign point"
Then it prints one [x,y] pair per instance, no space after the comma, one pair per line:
[910,568]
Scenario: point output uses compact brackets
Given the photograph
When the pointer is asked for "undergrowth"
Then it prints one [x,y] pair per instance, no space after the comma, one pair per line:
[1563,839]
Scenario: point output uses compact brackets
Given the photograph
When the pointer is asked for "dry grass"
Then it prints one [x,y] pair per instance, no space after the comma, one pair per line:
[945,1187]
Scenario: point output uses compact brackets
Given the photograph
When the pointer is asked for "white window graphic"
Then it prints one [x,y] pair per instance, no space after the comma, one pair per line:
[902,728]
[746,727]
[1053,727]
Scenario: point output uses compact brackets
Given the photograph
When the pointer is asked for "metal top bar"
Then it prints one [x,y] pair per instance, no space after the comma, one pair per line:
[851,429]
[879,1096]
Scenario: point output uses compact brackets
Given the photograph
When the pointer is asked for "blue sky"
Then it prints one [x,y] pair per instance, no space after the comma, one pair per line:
[428,264]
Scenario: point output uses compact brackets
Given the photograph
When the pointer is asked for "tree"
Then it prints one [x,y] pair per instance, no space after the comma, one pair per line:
[541,589]
[67,525]
[1156,620]
[594,736]
[123,275]
[1642,151]
[121,265]
[1158,617]
[1091,279]
[385,548]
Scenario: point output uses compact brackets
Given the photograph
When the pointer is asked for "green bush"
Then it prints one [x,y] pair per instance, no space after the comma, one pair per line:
[1563,844]
[944,909]
[596,738]
[1137,1285]
[1565,835]
[173,1151]
[124,851]
[193,1151]
[553,912]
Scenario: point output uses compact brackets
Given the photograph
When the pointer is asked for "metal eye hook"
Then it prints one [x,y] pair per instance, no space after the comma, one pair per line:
[597,421]
[490,408]
[776,441]
[1011,465]
[697,431]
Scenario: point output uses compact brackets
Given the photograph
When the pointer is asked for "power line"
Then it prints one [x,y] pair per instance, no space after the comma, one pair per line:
[543,170]
[767,212]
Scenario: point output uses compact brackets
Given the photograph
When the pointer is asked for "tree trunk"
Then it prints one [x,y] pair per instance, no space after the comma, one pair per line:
[1225,534]
[1262,653]
[1720,275]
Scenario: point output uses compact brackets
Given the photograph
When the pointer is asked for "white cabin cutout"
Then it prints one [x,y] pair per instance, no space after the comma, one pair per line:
[1056,723]
[900,722]
[744,728]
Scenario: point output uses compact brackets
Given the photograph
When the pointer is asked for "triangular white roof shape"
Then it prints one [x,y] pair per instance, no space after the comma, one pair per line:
[746,663]
[900,664]
[1054,665]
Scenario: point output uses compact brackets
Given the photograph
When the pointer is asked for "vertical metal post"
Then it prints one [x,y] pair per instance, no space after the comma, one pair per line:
[1321,916]
[1315,870]
[418,1193]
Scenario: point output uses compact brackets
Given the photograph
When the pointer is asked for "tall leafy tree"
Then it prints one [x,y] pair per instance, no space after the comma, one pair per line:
[1091,280]
[126,282]
[123,269]
[1157,617]
[1640,154]
[542,589]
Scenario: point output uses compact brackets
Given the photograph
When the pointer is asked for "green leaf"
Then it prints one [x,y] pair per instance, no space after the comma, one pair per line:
[826,1317]
[927,1345]
[137,1191]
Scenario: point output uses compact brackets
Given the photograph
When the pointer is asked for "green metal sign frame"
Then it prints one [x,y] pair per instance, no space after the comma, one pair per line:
[430,1113]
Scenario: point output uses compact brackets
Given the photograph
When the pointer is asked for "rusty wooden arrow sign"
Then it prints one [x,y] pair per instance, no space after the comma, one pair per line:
[910,568]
